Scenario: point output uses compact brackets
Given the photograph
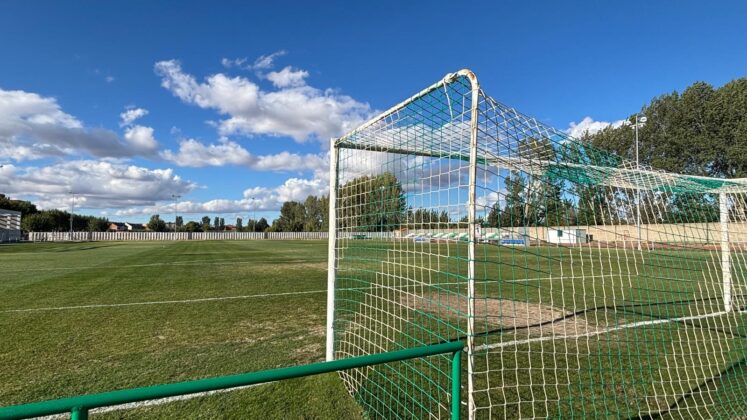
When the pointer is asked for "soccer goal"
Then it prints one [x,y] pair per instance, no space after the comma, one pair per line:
[581,283]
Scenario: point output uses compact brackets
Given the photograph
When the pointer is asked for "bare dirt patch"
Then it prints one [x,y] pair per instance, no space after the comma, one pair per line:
[504,314]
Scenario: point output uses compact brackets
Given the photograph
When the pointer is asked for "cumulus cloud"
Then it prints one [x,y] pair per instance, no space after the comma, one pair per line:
[589,126]
[254,199]
[130,115]
[97,184]
[294,109]
[34,127]
[288,77]
[196,154]
[141,139]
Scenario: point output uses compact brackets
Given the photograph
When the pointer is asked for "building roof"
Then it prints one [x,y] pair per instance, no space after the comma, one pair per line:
[11,212]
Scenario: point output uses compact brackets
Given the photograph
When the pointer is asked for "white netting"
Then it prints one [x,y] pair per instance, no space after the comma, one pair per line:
[583,285]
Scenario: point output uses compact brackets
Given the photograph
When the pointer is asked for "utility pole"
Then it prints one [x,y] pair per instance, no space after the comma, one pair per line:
[176,198]
[72,212]
[254,215]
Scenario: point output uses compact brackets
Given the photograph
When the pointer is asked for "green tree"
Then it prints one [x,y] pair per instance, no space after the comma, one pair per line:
[192,226]
[291,219]
[239,224]
[205,223]
[216,223]
[261,225]
[25,207]
[373,203]
[97,224]
[156,224]
[178,223]
[38,222]
[313,214]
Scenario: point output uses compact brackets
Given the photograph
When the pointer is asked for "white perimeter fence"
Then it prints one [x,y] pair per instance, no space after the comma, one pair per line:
[700,233]
[186,236]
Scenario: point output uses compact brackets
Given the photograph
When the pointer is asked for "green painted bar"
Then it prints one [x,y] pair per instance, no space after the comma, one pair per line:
[456,384]
[83,403]
[79,413]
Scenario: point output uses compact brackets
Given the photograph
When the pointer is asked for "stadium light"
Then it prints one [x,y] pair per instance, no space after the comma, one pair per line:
[176,198]
[254,215]
[72,211]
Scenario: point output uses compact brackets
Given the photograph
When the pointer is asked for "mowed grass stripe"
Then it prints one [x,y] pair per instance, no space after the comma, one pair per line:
[62,353]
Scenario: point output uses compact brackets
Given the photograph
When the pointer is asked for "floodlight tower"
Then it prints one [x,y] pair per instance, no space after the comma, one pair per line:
[254,215]
[176,198]
[72,211]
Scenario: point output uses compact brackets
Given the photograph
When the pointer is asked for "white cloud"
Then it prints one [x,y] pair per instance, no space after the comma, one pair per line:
[130,115]
[288,77]
[254,199]
[300,112]
[263,62]
[196,154]
[589,126]
[97,184]
[33,127]
[109,79]
[141,139]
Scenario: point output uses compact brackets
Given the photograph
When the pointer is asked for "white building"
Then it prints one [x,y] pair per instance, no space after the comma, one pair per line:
[561,235]
[10,225]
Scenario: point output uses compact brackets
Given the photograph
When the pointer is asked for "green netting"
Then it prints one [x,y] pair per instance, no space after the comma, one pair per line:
[584,285]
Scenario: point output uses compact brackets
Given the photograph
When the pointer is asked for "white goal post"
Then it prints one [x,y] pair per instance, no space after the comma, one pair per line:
[447,216]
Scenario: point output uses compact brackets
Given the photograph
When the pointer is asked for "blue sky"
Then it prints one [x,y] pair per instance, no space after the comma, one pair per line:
[231,104]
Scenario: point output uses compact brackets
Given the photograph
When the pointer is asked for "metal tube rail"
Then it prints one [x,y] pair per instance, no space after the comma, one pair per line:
[79,406]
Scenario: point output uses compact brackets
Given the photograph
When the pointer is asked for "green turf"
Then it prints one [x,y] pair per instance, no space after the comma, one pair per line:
[55,353]
[61,352]
[619,371]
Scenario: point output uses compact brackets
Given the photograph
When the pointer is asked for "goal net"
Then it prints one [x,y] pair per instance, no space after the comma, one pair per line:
[582,284]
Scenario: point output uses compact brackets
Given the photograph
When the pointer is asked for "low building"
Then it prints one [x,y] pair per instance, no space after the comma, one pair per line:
[561,235]
[117,227]
[135,227]
[10,225]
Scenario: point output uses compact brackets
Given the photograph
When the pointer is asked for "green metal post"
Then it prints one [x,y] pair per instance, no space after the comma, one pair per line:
[456,384]
[79,413]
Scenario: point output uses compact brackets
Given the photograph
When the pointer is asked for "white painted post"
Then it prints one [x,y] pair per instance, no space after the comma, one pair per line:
[725,249]
[331,254]
[471,251]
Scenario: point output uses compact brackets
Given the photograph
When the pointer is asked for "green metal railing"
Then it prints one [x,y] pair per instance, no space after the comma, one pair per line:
[79,406]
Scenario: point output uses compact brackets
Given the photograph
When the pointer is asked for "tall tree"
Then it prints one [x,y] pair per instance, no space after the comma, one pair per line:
[373,203]
[205,223]
[291,219]
[239,224]
[156,224]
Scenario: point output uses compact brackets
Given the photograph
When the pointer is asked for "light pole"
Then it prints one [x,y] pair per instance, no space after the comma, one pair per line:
[72,211]
[176,198]
[639,121]
[254,215]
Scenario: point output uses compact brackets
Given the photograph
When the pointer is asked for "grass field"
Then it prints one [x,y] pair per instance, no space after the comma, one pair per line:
[90,317]
[54,346]
[559,331]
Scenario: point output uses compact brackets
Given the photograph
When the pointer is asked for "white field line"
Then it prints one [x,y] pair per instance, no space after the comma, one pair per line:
[600,332]
[190,262]
[154,403]
[162,302]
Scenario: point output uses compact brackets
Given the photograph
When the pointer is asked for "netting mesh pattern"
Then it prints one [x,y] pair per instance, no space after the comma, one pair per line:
[583,284]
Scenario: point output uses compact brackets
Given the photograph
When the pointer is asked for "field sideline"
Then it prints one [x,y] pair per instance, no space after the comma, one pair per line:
[91,317]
